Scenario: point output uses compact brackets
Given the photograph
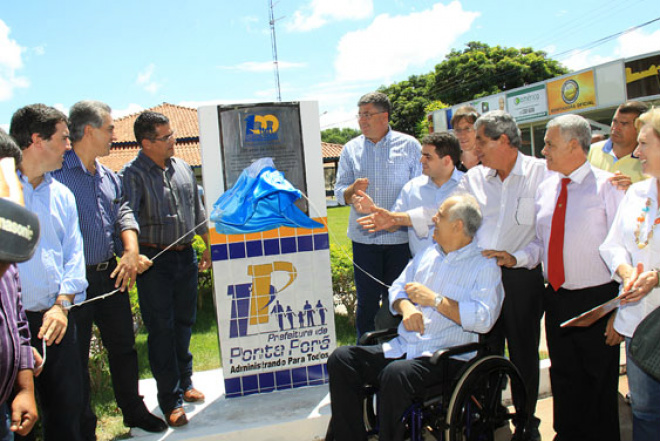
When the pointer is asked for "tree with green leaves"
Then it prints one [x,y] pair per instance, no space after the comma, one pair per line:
[409,98]
[481,70]
[477,71]
[339,136]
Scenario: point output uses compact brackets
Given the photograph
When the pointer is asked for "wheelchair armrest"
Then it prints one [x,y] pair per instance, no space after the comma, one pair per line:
[443,354]
[374,337]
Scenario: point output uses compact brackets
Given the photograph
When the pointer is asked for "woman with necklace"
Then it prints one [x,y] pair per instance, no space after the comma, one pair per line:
[632,252]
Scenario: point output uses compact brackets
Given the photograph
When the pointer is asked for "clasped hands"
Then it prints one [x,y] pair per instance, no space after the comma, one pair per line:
[418,294]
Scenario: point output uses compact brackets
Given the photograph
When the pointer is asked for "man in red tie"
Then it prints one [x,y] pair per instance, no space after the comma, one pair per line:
[575,208]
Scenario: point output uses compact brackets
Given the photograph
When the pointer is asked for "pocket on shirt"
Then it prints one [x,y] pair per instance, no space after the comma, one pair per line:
[525,212]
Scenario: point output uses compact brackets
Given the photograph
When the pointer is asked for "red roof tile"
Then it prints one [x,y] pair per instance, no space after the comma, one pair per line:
[183,120]
[120,156]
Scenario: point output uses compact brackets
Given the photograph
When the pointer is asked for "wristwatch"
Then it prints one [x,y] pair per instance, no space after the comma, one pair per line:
[438,300]
[64,304]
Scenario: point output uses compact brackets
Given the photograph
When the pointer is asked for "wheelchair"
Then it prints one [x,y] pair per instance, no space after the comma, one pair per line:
[463,407]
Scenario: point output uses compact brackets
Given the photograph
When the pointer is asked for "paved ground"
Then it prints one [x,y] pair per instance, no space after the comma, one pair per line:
[544,412]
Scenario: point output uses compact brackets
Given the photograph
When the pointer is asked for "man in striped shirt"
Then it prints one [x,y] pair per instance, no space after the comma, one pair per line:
[109,229]
[162,192]
[447,295]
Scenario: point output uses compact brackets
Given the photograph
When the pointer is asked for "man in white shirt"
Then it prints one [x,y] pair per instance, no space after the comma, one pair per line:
[447,295]
[505,185]
[575,208]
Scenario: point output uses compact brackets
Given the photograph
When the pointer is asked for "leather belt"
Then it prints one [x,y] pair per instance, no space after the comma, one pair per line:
[162,247]
[103,266]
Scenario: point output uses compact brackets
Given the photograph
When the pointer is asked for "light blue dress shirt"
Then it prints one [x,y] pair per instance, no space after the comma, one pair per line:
[420,198]
[465,276]
[388,165]
[58,264]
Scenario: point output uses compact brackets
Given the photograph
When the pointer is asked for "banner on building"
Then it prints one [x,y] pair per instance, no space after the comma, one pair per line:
[571,93]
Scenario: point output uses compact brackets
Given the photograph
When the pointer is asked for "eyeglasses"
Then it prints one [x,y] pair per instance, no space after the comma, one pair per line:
[465,130]
[165,138]
[367,116]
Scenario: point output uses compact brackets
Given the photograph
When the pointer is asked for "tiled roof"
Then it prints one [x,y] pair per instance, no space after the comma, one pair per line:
[184,121]
[119,156]
[331,151]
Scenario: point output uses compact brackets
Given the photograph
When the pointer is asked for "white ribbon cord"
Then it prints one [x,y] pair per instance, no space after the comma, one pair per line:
[108,294]
[342,248]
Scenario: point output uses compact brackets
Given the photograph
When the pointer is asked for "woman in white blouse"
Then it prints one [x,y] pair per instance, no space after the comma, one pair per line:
[632,252]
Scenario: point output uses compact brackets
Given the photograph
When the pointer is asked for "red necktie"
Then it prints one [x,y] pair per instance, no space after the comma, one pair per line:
[556,247]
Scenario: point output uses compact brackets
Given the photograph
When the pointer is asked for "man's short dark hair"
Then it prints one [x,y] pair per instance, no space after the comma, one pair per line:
[378,99]
[146,124]
[636,107]
[445,143]
[467,113]
[86,113]
[35,118]
[9,148]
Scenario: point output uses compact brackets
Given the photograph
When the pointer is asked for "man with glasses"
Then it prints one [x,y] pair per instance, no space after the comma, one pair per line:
[162,192]
[108,229]
[379,162]
[505,185]
[616,154]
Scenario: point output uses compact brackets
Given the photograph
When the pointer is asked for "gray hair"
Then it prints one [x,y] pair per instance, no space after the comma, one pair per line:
[573,127]
[497,123]
[86,113]
[467,210]
[378,99]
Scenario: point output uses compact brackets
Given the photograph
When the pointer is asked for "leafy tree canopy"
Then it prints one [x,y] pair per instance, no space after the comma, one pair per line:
[481,70]
[339,136]
[478,70]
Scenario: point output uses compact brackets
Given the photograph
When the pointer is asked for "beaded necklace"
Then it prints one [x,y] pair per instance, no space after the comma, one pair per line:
[640,221]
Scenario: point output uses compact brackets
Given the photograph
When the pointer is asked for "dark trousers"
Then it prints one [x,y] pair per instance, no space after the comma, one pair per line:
[520,324]
[168,302]
[399,381]
[585,371]
[59,387]
[385,263]
[112,316]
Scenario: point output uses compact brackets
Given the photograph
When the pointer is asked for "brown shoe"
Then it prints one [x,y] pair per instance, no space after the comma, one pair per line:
[192,395]
[176,417]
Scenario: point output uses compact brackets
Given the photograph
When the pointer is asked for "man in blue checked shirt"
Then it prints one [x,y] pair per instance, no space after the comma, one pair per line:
[447,295]
[109,229]
[56,273]
[379,162]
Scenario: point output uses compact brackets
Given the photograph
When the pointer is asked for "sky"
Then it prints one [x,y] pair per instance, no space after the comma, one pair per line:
[140,53]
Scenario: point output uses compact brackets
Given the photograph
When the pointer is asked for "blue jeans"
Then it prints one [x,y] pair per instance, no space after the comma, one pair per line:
[168,302]
[645,395]
[5,422]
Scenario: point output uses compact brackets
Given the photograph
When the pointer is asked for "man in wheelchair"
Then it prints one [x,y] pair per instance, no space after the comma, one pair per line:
[447,295]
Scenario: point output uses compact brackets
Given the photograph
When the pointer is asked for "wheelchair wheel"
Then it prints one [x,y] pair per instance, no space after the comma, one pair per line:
[473,411]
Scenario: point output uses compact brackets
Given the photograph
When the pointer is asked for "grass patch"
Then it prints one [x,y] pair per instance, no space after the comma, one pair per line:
[338,225]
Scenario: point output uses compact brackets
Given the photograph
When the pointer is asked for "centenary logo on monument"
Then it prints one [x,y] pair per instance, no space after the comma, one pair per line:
[261,129]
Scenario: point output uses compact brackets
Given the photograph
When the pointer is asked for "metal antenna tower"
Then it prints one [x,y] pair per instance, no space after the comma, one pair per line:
[273,41]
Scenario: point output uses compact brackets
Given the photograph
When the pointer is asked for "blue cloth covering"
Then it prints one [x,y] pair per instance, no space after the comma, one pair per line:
[261,200]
